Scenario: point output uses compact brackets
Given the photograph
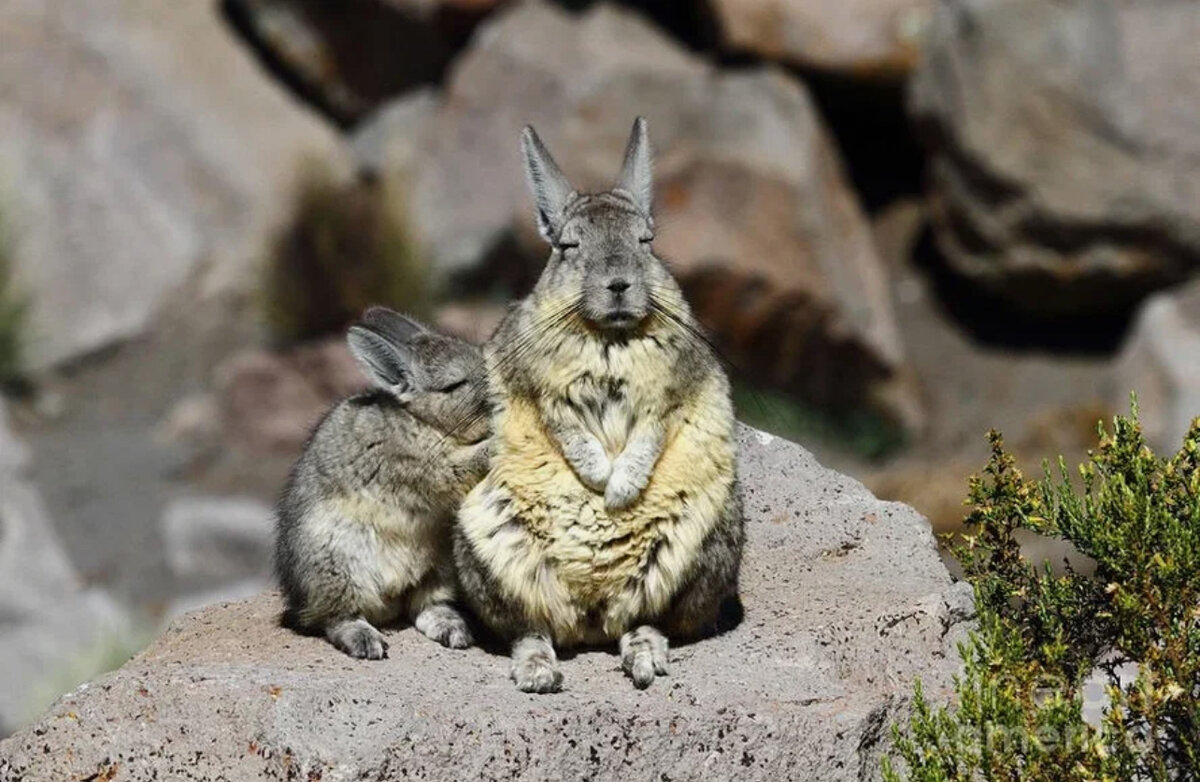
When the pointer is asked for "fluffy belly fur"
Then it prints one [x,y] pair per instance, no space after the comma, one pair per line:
[382,553]
[575,569]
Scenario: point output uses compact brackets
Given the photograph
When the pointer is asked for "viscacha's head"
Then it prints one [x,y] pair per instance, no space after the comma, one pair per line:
[601,255]
[440,379]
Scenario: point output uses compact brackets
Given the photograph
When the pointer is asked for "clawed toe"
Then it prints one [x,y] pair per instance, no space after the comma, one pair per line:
[644,655]
[537,677]
[359,639]
[535,666]
[444,624]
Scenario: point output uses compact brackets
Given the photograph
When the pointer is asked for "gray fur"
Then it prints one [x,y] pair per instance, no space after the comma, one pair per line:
[357,638]
[644,655]
[535,665]
[636,172]
[378,484]
[603,271]
[551,191]
[708,604]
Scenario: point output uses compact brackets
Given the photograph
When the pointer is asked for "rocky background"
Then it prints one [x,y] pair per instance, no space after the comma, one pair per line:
[903,222]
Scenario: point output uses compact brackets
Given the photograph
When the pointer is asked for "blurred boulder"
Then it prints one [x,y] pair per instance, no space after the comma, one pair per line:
[755,213]
[348,57]
[1065,170]
[14,453]
[1161,363]
[269,402]
[47,615]
[141,147]
[387,141]
[242,589]
[218,539]
[474,321]
[855,37]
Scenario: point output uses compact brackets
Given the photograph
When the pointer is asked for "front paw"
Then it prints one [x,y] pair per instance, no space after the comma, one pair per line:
[591,464]
[621,491]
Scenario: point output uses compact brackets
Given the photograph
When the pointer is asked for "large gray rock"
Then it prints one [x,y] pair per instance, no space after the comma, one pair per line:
[845,601]
[47,616]
[387,142]
[1160,361]
[755,214]
[139,147]
[1065,146]
[14,453]
[348,57]
[271,401]
[857,37]
[218,539]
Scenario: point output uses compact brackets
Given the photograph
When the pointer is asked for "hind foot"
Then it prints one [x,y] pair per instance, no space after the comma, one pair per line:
[443,623]
[535,665]
[357,638]
[644,655]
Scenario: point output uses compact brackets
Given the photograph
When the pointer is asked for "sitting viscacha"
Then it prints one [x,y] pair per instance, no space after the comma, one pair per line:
[364,524]
[611,511]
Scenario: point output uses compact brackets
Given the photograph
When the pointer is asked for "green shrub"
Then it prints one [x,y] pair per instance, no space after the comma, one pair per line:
[1017,712]
[344,248]
[13,321]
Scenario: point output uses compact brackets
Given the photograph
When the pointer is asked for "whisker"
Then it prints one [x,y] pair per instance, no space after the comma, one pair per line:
[694,331]
[541,328]
[690,329]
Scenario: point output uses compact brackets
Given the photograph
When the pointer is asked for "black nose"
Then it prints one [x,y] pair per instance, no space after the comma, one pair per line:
[619,285]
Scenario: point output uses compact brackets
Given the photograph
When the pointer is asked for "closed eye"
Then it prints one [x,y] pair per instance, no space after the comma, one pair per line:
[564,246]
[453,386]
[647,239]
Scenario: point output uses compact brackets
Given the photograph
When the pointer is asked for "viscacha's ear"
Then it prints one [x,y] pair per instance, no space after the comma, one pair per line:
[637,178]
[387,365]
[551,191]
[394,326]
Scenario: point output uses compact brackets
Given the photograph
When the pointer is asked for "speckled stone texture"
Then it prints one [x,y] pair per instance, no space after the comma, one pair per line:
[845,602]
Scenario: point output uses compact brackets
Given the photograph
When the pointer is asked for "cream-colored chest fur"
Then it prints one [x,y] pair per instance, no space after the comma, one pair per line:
[609,386]
[582,572]
[391,548]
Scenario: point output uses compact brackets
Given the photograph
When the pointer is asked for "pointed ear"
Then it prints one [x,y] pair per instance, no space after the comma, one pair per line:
[385,363]
[636,176]
[392,325]
[551,191]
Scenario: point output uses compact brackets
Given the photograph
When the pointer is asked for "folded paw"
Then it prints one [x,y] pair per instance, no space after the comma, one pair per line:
[621,491]
[591,463]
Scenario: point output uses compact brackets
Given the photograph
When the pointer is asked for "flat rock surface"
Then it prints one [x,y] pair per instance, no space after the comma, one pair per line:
[845,602]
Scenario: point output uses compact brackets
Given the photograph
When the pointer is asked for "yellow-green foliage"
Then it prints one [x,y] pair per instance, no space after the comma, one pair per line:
[13,310]
[344,248]
[1017,715]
